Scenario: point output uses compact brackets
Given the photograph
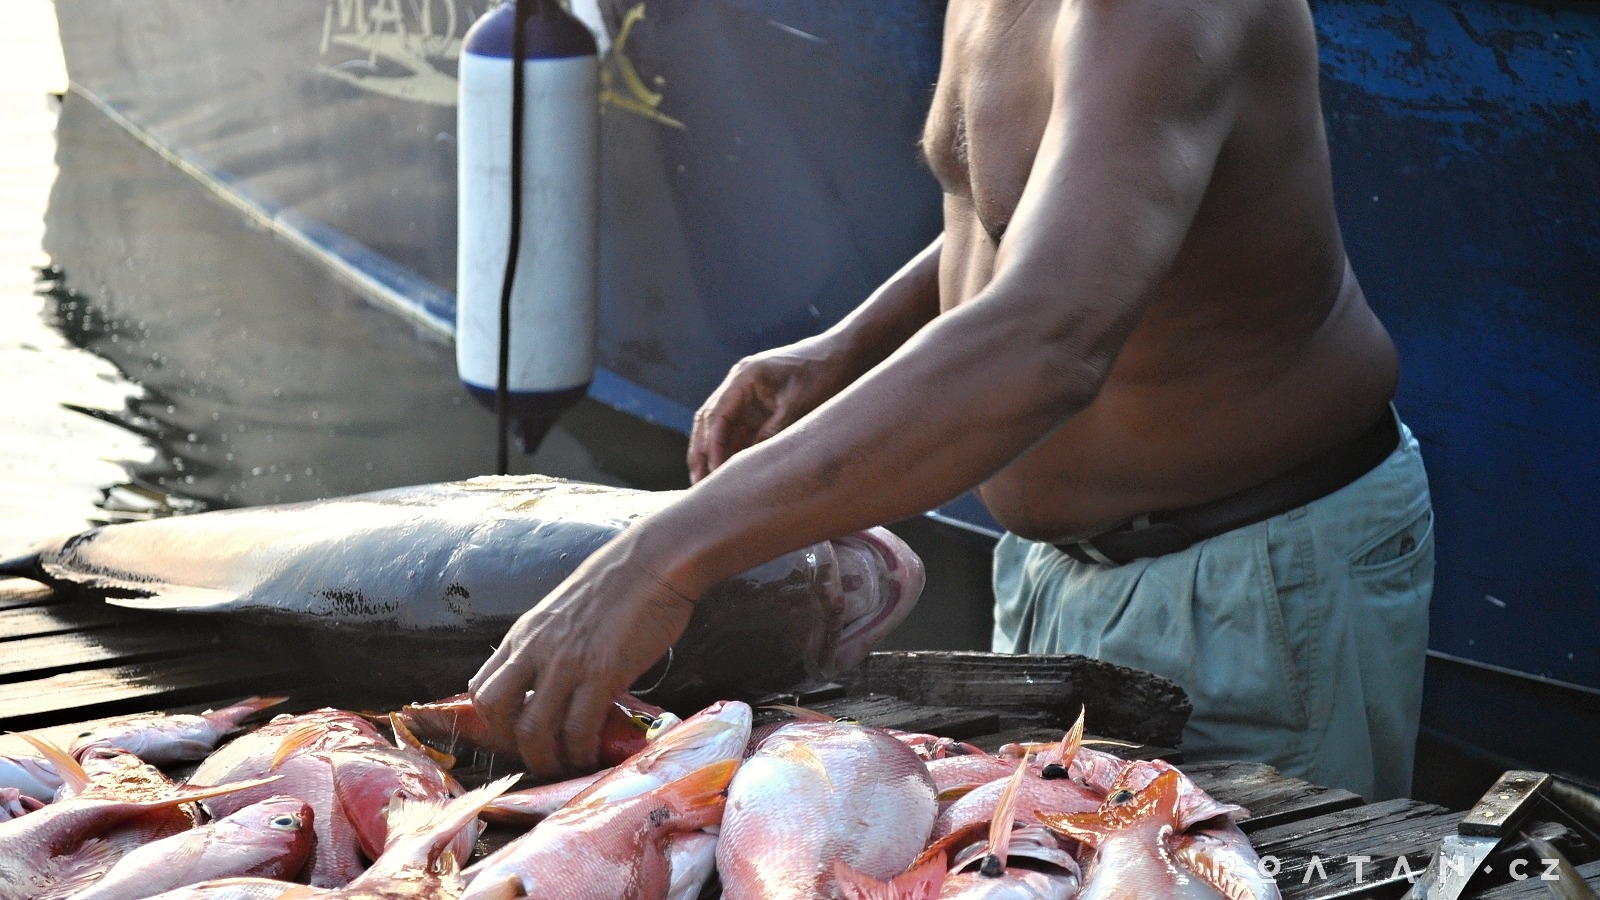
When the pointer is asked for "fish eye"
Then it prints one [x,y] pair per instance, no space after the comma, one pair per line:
[660,725]
[991,867]
[846,720]
[1121,797]
[644,722]
[84,735]
[285,822]
[1053,772]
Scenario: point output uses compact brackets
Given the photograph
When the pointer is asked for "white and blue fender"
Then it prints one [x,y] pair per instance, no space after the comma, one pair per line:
[554,296]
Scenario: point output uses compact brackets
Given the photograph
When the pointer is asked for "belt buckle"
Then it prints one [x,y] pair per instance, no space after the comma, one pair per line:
[1138,539]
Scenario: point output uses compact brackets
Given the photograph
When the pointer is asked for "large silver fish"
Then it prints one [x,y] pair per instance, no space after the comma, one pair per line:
[463,559]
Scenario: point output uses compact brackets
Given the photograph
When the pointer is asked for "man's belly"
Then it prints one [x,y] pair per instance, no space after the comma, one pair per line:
[1144,447]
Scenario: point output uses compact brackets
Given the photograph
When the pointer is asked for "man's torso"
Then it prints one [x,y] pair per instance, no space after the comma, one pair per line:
[1257,350]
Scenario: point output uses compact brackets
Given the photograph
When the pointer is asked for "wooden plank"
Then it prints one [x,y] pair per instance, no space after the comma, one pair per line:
[58,618]
[73,696]
[1318,854]
[892,712]
[39,656]
[19,592]
[1043,689]
[1272,798]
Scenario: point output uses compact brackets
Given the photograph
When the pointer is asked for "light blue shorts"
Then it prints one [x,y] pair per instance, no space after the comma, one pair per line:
[1300,640]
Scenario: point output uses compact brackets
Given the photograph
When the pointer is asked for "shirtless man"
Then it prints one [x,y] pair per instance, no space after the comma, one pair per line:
[1140,304]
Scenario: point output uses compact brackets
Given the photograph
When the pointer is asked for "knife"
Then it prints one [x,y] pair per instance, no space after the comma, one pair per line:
[1494,818]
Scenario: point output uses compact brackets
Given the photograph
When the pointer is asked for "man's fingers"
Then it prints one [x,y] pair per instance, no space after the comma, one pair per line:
[497,695]
[539,728]
[580,736]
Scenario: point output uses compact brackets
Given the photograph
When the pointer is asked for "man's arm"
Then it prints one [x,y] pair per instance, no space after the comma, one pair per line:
[770,391]
[1144,98]
[1144,94]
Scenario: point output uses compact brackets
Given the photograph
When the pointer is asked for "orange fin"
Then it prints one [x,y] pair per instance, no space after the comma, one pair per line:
[1121,809]
[404,737]
[800,713]
[922,881]
[296,740]
[72,774]
[701,789]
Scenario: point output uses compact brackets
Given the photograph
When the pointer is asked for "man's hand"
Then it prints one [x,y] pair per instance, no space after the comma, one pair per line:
[583,645]
[762,395]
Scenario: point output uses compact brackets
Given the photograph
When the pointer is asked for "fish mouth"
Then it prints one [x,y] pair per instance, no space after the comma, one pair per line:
[880,580]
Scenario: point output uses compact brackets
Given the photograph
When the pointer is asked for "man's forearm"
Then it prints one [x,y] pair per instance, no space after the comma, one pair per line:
[898,309]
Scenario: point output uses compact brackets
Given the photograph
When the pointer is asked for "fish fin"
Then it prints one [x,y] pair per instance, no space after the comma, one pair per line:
[1120,810]
[922,881]
[84,867]
[801,713]
[421,832]
[698,797]
[295,740]
[1005,815]
[405,737]
[1066,751]
[72,774]
[177,598]
[956,792]
[509,887]
[952,842]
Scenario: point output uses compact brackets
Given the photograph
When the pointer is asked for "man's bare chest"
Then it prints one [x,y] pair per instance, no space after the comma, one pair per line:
[991,107]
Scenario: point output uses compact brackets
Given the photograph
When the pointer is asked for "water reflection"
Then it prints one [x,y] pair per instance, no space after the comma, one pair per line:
[259,379]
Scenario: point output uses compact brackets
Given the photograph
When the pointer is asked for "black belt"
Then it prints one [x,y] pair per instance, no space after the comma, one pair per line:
[1160,533]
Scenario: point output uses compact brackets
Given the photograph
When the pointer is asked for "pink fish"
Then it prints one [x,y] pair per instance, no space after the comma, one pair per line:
[270,839]
[15,804]
[67,836]
[118,775]
[161,739]
[296,749]
[988,850]
[718,732]
[454,721]
[31,776]
[618,850]
[819,792]
[1134,842]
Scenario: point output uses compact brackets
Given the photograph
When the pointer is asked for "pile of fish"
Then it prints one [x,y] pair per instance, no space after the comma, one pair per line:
[324,805]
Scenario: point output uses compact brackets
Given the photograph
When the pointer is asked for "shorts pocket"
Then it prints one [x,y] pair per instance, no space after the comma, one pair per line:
[1398,547]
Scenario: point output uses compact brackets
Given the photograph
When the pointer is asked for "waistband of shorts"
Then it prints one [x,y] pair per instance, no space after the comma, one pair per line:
[1169,531]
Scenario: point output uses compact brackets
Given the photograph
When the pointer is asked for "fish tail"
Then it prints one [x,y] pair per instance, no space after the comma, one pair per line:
[26,566]
[922,881]
[231,716]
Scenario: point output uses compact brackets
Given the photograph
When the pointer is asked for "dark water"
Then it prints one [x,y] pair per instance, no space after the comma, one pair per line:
[161,355]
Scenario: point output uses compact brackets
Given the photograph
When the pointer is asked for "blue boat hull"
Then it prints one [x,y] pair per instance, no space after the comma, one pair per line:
[760,177]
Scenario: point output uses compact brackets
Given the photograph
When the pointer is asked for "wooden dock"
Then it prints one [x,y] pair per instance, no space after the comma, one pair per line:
[64,663]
